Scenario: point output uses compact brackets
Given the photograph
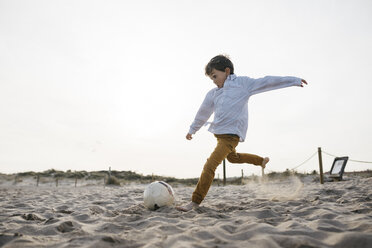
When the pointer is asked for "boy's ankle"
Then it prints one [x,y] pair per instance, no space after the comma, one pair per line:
[264,162]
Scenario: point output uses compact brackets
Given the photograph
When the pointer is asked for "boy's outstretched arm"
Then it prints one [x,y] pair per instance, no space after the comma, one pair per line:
[203,114]
[268,83]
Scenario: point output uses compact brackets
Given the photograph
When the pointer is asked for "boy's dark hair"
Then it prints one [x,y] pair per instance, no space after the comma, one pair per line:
[220,63]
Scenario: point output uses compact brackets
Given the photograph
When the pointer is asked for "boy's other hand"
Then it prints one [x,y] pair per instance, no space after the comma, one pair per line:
[303,81]
[189,136]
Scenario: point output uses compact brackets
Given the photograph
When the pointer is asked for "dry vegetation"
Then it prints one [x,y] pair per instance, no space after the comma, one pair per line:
[126,177]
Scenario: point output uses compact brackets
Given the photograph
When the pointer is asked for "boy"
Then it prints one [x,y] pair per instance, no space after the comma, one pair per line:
[229,102]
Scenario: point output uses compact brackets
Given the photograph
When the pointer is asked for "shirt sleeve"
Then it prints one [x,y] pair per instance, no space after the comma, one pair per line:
[205,111]
[271,83]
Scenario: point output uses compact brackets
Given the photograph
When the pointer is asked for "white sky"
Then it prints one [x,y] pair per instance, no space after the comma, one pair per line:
[85,85]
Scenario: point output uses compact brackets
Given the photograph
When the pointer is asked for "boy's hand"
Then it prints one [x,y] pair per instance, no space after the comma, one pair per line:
[189,136]
[303,82]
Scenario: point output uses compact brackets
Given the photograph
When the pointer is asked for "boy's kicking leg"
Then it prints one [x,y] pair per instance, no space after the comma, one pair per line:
[225,145]
[240,158]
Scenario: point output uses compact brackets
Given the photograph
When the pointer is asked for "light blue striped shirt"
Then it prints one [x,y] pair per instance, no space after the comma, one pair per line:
[230,103]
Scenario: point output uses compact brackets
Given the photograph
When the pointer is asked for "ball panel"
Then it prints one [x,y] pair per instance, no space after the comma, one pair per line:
[158,194]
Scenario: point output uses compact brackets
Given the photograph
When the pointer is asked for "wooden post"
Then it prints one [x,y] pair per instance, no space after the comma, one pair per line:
[242,177]
[75,179]
[37,180]
[320,165]
[224,172]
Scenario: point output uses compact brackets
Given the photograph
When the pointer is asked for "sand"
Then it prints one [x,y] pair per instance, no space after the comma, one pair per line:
[287,213]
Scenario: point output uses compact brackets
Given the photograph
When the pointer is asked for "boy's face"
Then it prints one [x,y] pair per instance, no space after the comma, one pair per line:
[219,77]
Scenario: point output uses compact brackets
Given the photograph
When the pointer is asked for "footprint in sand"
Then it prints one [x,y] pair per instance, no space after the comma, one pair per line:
[66,226]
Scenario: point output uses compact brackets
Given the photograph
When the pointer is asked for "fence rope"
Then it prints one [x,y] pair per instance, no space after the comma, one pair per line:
[358,161]
[329,154]
[305,161]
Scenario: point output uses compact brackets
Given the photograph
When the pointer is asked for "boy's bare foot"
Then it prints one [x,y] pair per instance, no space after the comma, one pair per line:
[187,207]
[264,162]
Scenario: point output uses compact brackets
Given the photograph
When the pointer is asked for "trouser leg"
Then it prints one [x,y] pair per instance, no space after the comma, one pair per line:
[239,158]
[225,145]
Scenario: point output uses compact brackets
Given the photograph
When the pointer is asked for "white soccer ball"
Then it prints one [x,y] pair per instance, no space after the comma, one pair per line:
[158,194]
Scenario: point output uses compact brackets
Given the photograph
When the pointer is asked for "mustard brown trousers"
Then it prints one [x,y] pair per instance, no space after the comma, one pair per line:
[226,144]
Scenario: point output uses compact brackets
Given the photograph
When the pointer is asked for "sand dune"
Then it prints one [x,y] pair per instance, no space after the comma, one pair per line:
[290,213]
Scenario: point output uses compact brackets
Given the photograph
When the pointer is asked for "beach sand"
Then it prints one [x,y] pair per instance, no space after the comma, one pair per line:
[279,213]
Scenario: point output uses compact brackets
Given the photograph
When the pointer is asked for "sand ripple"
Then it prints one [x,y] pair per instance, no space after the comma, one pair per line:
[274,214]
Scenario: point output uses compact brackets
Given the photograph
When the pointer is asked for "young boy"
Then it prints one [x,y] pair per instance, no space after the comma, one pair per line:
[229,102]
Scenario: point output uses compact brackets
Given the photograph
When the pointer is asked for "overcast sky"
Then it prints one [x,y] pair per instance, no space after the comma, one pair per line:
[85,85]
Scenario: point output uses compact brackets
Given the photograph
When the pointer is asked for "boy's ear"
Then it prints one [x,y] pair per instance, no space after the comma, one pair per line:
[227,70]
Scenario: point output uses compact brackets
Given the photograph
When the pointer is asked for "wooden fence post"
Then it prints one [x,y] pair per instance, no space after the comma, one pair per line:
[320,165]
[224,172]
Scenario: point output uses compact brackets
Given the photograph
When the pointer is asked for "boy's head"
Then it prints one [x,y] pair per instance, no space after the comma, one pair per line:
[220,63]
[218,69]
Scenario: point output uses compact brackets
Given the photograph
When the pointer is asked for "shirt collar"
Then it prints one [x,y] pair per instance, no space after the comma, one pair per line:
[231,77]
